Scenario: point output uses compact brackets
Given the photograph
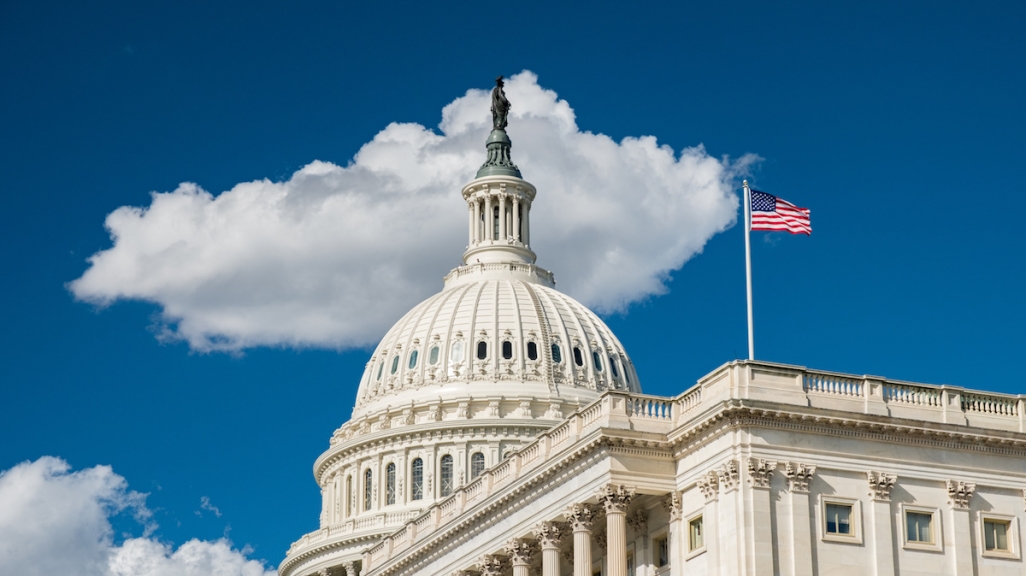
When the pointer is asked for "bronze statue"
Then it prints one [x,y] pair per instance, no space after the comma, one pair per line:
[500,106]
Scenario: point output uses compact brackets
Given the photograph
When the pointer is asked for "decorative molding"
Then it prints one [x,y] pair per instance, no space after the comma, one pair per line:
[798,477]
[760,472]
[960,493]
[728,475]
[580,517]
[709,485]
[520,550]
[601,540]
[616,498]
[639,520]
[880,484]
[550,534]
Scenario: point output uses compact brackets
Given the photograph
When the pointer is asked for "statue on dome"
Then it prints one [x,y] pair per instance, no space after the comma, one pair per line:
[500,106]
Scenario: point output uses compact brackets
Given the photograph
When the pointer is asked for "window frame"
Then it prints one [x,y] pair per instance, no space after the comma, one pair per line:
[855,520]
[416,488]
[368,490]
[660,536]
[484,464]
[532,344]
[688,521]
[1013,552]
[936,529]
[442,480]
[390,471]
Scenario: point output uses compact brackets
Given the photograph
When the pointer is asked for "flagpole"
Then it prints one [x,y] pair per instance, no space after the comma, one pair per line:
[748,268]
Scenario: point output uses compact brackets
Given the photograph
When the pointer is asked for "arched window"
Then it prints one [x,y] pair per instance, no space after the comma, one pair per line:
[381,369]
[433,355]
[390,484]
[597,360]
[446,470]
[507,350]
[417,480]
[349,496]
[612,367]
[578,358]
[495,223]
[557,355]
[395,364]
[368,476]
[477,465]
[413,360]
[482,350]
[457,351]
[532,351]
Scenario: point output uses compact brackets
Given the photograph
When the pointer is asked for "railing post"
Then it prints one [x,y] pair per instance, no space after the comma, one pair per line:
[951,399]
[872,392]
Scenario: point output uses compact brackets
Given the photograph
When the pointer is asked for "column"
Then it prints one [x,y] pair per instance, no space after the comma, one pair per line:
[489,220]
[615,500]
[351,569]
[472,222]
[709,485]
[520,552]
[516,219]
[881,535]
[502,217]
[580,518]
[549,535]
[674,535]
[730,530]
[760,473]
[959,495]
[476,230]
[798,478]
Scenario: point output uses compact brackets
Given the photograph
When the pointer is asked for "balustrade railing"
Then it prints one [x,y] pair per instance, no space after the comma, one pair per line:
[914,395]
[830,384]
[997,405]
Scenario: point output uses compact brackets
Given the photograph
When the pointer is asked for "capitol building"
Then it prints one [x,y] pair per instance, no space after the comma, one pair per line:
[500,428]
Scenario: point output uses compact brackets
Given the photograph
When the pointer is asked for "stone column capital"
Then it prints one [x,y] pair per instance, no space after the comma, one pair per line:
[709,485]
[760,472]
[728,475]
[672,504]
[960,493]
[639,521]
[550,534]
[580,517]
[491,565]
[798,476]
[615,498]
[880,484]
[520,551]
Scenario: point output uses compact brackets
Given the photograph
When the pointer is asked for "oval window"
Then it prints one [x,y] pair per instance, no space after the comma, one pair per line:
[482,350]
[557,356]
[413,359]
[532,351]
[395,364]
[457,351]
[507,350]
[381,370]
[433,355]
[612,367]
[594,358]
[578,358]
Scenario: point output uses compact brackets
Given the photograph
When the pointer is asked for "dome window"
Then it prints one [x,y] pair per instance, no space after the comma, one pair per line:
[446,468]
[477,465]
[433,355]
[349,495]
[413,359]
[482,350]
[557,355]
[390,484]
[578,358]
[612,367]
[457,351]
[368,477]
[594,358]
[532,351]
[395,364]
[381,370]
[417,480]
[507,350]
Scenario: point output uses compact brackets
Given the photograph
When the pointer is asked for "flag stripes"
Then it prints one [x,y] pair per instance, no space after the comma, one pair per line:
[778,215]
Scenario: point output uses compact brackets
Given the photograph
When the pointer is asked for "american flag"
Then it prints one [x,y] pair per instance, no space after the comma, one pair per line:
[776,215]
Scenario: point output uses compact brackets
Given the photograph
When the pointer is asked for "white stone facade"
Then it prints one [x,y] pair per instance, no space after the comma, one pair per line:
[500,429]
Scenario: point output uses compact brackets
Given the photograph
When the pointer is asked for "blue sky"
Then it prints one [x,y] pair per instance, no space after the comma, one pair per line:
[901,125]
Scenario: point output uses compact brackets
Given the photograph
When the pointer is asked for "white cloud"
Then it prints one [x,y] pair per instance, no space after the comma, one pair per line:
[54,521]
[334,255]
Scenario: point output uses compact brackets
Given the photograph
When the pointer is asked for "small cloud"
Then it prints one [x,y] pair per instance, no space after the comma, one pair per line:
[771,239]
[206,505]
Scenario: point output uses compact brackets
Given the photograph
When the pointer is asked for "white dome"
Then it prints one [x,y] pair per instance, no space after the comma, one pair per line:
[495,328]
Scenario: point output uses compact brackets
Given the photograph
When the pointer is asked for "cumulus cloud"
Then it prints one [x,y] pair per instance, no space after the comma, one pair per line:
[54,521]
[336,254]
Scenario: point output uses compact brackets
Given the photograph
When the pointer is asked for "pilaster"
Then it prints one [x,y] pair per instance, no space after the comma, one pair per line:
[960,494]
[881,533]
[798,477]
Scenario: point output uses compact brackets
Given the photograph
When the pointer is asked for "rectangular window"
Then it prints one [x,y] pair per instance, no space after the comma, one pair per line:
[838,519]
[696,534]
[995,535]
[662,551]
[919,526]
[630,565]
